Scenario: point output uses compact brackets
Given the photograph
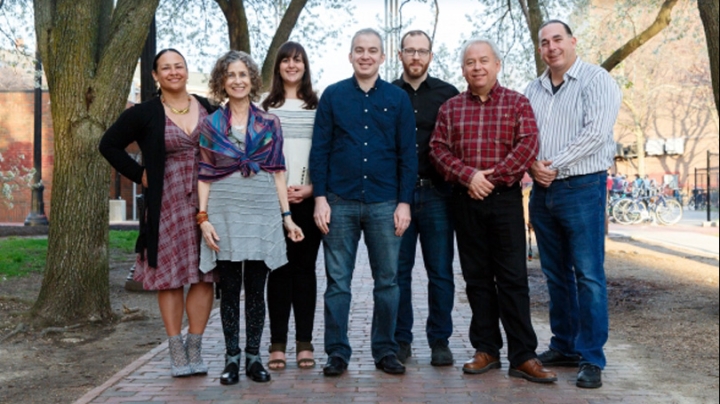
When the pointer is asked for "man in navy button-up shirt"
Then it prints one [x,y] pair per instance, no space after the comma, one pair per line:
[364,166]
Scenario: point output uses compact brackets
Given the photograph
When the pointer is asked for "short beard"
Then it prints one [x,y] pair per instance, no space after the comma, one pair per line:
[407,71]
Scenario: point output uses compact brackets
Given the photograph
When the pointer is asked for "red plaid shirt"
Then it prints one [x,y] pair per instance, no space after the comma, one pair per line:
[471,135]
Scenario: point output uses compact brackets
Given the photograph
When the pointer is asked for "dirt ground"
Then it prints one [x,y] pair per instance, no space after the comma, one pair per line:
[663,303]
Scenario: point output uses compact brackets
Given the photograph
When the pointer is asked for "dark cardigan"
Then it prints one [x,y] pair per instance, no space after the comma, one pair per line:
[145,124]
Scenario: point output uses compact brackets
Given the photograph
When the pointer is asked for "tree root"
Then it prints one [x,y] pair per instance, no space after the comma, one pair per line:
[52,330]
[18,329]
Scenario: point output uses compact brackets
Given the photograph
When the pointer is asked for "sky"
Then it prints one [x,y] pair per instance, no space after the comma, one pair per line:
[452,28]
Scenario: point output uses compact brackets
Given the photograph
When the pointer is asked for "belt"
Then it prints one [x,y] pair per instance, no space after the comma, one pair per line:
[423,182]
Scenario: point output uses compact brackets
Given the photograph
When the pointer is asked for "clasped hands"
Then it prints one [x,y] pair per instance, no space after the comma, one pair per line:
[542,174]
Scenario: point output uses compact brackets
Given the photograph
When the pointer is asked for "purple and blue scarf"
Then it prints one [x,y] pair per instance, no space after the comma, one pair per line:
[220,156]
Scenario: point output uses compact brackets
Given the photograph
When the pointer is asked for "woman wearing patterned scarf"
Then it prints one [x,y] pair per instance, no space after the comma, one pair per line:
[243,206]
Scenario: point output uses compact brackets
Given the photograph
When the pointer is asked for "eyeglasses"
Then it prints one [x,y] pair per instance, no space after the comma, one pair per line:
[412,52]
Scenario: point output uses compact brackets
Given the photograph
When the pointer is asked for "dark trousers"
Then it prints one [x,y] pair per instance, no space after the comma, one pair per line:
[294,285]
[232,276]
[491,245]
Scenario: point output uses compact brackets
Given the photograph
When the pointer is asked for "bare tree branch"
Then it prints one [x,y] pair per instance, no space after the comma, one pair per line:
[661,21]
[435,24]
[281,36]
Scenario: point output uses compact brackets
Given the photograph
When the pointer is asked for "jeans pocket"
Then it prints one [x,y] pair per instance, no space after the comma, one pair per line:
[332,198]
[584,181]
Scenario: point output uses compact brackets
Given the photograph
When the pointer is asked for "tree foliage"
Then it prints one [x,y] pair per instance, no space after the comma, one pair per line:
[258,27]
[89,49]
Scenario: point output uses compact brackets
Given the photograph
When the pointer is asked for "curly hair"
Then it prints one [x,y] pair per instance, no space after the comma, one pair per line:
[219,75]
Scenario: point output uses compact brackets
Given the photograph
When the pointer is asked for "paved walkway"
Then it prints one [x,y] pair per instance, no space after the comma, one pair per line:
[147,380]
[687,236]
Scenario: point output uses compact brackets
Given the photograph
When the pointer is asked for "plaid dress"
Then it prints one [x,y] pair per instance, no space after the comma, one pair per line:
[179,235]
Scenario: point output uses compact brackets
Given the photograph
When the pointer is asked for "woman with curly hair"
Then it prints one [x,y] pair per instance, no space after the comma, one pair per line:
[243,206]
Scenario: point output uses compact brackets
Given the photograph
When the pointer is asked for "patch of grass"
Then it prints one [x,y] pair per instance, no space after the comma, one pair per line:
[123,240]
[20,256]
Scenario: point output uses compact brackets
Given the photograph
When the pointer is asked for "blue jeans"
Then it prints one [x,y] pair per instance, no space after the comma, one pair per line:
[569,222]
[375,221]
[431,221]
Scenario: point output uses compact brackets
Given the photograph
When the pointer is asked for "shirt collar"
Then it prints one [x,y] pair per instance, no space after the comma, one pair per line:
[378,83]
[573,72]
[491,95]
[428,82]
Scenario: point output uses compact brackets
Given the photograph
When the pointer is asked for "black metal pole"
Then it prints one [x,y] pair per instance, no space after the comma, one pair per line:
[707,187]
[37,217]
[147,91]
[147,83]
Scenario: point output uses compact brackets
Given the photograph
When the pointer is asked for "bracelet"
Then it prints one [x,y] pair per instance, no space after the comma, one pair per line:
[286,213]
[201,217]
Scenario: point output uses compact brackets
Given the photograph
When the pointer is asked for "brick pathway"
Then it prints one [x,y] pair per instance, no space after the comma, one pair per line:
[147,380]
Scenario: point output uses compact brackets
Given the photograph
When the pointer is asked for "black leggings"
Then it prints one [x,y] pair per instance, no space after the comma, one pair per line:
[295,284]
[232,275]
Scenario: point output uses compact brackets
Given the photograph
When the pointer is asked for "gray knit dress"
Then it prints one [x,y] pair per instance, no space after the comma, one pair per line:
[245,212]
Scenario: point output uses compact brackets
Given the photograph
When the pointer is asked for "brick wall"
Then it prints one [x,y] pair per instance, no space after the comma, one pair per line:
[16,139]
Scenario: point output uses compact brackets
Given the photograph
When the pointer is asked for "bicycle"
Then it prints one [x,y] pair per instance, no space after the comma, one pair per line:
[655,205]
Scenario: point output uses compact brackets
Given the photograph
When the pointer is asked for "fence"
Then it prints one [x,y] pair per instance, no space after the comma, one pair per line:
[705,194]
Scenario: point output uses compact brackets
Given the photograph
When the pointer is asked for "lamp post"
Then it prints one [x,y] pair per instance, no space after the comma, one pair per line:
[37,217]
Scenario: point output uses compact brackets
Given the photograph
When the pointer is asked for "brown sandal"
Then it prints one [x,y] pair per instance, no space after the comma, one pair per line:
[277,364]
[305,363]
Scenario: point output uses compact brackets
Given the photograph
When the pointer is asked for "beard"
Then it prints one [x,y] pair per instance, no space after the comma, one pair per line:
[415,71]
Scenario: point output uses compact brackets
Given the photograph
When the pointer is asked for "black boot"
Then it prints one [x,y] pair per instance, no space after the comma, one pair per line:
[230,374]
[255,370]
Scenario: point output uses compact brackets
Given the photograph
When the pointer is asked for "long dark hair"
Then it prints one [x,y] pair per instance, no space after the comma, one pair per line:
[276,98]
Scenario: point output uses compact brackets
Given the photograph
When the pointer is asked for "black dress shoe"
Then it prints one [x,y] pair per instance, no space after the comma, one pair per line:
[256,372]
[589,376]
[390,365]
[552,357]
[334,367]
[230,374]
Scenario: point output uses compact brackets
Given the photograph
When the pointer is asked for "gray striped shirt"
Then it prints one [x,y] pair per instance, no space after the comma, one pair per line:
[576,123]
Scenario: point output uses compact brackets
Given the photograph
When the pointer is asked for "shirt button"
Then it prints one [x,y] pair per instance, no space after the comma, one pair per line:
[367,95]
[365,176]
[366,111]
[366,127]
[416,111]
[365,160]
[385,109]
[365,143]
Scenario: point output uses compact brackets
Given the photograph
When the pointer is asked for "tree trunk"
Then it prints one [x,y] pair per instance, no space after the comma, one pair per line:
[89,58]
[282,34]
[238,32]
[534,18]
[661,21]
[709,15]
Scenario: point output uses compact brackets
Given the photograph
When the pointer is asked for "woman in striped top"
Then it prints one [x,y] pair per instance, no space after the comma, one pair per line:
[293,100]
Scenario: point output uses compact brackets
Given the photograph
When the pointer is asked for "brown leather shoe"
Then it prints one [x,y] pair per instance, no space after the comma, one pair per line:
[481,363]
[533,371]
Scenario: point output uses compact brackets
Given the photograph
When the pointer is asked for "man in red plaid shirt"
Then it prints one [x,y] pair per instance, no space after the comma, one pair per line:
[484,141]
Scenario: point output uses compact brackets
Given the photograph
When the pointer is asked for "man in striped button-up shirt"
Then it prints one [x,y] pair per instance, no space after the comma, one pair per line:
[576,105]
[484,141]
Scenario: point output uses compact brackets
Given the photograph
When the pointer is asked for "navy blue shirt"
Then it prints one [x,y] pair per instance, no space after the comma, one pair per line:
[363,146]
